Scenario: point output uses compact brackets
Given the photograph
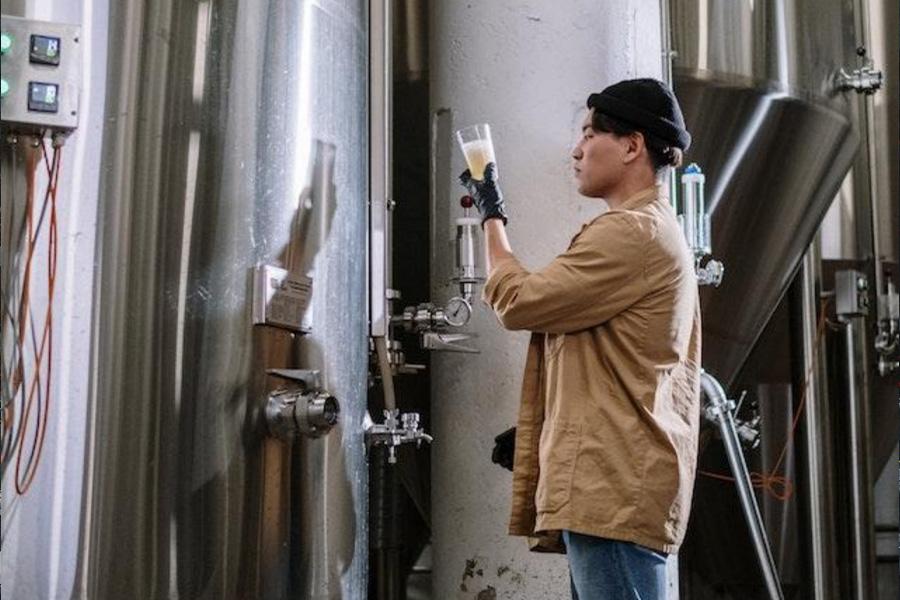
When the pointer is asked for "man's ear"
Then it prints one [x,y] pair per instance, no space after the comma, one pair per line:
[634,146]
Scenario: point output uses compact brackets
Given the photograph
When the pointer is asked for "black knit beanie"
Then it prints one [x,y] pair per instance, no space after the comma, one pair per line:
[646,104]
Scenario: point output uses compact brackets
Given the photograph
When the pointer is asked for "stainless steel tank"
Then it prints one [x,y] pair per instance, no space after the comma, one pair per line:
[756,81]
[236,135]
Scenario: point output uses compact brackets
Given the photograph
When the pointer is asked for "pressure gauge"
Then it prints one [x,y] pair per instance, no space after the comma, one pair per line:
[458,312]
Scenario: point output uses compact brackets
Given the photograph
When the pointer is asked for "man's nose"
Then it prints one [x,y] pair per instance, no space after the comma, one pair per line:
[576,152]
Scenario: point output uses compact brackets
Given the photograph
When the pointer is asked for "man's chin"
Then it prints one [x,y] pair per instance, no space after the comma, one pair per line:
[587,192]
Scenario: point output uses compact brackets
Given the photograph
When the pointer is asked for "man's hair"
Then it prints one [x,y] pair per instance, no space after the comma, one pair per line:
[662,154]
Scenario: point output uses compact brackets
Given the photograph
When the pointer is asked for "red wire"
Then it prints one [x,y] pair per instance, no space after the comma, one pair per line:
[781,487]
[31,160]
[23,484]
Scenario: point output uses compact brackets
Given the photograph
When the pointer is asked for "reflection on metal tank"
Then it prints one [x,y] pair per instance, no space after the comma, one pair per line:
[236,135]
[755,80]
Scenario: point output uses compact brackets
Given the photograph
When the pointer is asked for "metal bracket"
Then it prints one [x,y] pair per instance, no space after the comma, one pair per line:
[448,342]
[310,378]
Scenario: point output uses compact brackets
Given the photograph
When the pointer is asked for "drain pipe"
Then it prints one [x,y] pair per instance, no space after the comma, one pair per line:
[860,475]
[719,410]
[851,306]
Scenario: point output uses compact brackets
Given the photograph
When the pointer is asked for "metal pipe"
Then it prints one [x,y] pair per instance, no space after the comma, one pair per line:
[667,55]
[719,409]
[871,161]
[665,21]
[380,188]
[860,475]
[385,528]
[821,500]
[387,375]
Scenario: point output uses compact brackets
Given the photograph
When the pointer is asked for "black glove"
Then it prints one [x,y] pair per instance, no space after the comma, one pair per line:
[505,448]
[486,193]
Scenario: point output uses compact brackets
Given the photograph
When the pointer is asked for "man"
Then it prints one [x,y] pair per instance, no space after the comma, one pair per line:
[605,445]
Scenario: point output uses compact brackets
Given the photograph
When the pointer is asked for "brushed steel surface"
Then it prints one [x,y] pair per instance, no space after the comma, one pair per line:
[236,135]
[818,439]
[754,81]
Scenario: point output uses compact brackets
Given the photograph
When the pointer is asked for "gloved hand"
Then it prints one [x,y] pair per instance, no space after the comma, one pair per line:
[505,448]
[486,193]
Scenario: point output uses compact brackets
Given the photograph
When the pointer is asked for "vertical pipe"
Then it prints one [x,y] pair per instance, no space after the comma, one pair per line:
[860,474]
[863,25]
[821,500]
[668,55]
[380,88]
[720,410]
[384,515]
[665,25]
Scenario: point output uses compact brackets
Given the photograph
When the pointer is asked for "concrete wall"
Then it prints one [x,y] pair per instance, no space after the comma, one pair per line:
[40,529]
[525,67]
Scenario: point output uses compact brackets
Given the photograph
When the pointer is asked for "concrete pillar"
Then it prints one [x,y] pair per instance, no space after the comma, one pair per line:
[525,67]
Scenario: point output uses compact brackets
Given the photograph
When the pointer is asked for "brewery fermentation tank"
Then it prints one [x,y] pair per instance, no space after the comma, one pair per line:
[235,138]
[757,82]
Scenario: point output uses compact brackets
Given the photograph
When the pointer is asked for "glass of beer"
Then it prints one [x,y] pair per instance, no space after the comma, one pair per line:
[478,148]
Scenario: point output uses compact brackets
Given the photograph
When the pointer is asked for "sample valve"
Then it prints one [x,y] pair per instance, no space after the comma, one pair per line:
[304,408]
[466,250]
[695,224]
[432,322]
[397,429]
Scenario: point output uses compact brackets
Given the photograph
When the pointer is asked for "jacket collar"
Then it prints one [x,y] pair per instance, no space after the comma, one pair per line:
[643,197]
[635,201]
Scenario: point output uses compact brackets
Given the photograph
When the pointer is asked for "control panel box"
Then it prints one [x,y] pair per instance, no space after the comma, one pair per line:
[852,293]
[40,75]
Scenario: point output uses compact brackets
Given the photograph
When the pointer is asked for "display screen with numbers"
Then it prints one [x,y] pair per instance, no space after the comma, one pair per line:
[43,97]
[44,50]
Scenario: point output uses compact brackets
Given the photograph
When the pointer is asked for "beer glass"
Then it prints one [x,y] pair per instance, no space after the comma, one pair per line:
[477,147]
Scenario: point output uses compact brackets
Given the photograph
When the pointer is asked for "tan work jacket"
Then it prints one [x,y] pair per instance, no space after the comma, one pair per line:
[606,443]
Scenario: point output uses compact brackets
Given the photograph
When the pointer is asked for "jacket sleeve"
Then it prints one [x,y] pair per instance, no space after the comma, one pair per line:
[598,277]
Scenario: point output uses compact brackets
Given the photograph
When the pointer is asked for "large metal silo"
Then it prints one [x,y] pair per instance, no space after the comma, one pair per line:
[766,90]
[236,136]
[775,136]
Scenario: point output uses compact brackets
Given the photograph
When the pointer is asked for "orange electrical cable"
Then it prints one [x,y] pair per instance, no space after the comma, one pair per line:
[22,485]
[779,486]
[46,342]
[18,376]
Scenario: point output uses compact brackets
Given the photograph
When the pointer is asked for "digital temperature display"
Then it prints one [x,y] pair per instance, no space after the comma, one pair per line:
[43,97]
[44,50]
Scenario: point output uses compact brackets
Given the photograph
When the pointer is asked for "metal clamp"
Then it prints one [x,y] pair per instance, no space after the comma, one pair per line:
[711,273]
[305,410]
[864,80]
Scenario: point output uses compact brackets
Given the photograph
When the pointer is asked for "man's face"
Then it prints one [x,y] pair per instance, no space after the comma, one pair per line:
[600,160]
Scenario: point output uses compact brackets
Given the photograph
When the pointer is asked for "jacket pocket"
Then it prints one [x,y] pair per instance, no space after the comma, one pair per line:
[558,452]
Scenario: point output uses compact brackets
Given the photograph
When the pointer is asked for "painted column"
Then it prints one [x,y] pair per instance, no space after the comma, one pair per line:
[526,68]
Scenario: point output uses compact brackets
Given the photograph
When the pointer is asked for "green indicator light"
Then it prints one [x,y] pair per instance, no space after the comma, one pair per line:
[6,42]
[4,88]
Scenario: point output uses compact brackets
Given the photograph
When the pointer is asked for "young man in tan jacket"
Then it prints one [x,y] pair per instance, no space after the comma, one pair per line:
[606,440]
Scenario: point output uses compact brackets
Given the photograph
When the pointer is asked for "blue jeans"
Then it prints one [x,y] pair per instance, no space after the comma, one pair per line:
[604,569]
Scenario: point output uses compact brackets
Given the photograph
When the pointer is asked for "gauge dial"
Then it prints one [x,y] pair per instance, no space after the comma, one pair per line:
[458,312]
